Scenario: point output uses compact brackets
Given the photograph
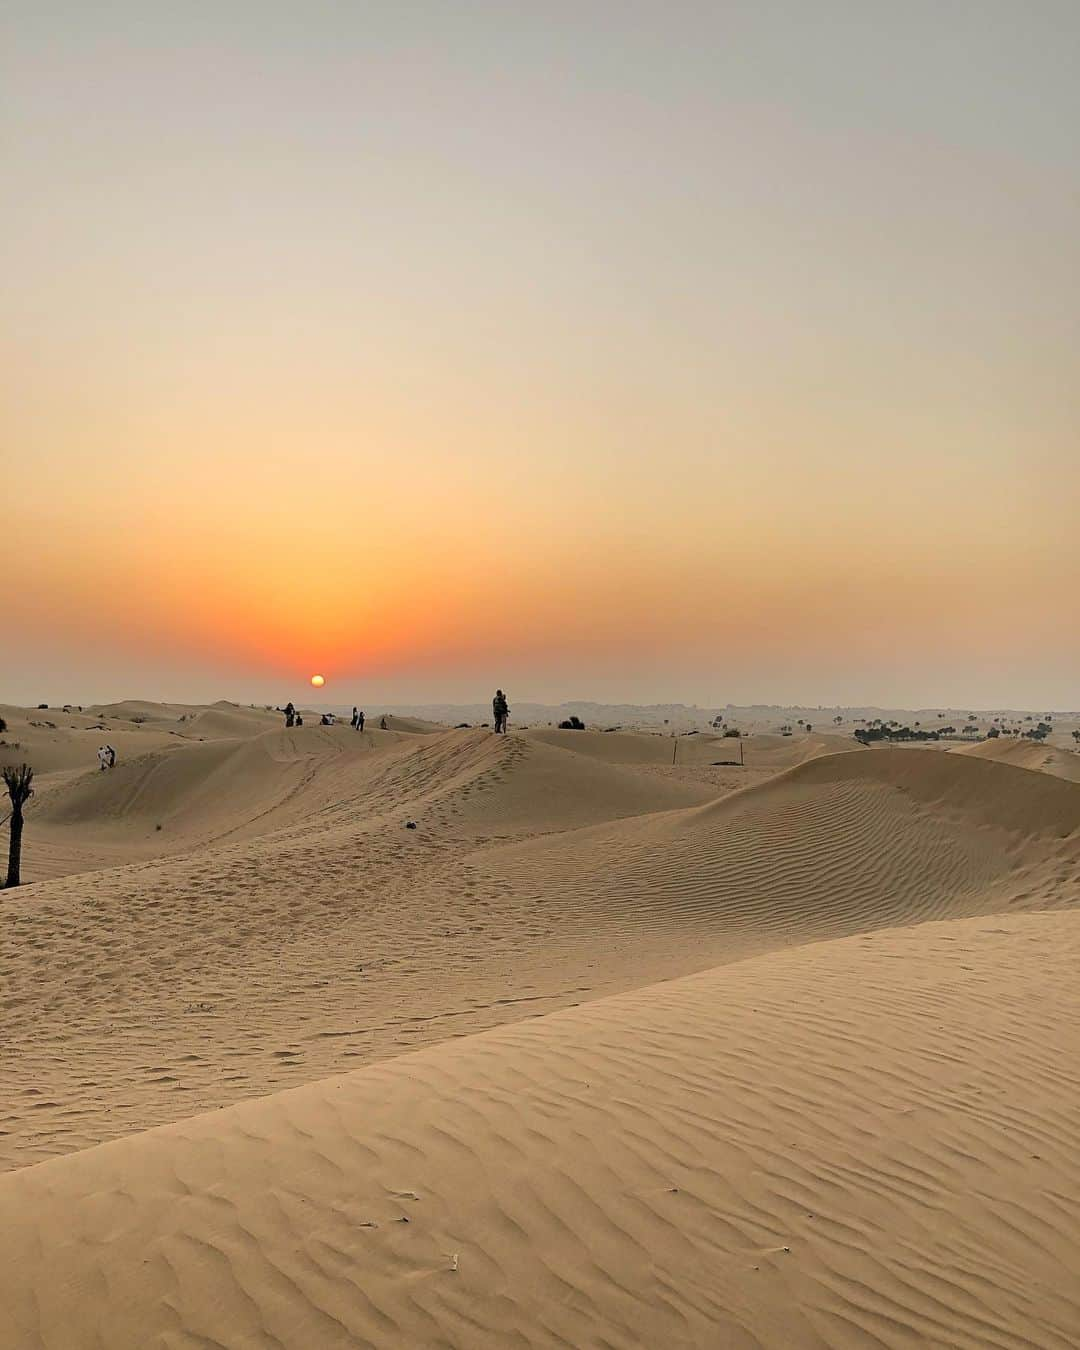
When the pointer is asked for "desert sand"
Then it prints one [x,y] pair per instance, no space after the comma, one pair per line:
[428,1037]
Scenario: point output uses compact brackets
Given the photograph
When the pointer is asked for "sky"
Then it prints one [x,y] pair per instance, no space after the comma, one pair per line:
[624,351]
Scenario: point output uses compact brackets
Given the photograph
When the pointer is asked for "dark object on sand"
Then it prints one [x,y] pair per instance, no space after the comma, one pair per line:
[20,788]
[462,726]
[410,824]
[572,724]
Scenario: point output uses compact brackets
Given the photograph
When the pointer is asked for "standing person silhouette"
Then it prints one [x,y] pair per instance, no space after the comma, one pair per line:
[360,720]
[501,709]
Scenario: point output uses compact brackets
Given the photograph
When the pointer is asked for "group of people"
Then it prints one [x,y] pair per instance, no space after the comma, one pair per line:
[499,707]
[106,757]
[293,718]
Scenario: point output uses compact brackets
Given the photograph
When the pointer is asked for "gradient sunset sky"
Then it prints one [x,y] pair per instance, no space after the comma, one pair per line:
[628,351]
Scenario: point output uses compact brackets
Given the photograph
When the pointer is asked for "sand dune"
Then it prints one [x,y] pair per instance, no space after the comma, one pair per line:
[183,794]
[868,1142]
[204,790]
[679,1055]
[638,747]
[842,844]
[286,952]
[217,777]
[228,721]
[323,932]
[416,726]
[1042,758]
[57,742]
[146,710]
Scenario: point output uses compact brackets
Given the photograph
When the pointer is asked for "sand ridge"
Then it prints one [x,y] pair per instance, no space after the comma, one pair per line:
[856,1143]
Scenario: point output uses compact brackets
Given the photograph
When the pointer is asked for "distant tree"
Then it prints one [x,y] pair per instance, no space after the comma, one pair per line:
[1076,737]
[838,719]
[993,733]
[20,788]
[809,727]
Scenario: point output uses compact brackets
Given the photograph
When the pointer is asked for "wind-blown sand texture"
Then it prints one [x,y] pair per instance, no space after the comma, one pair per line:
[798,1069]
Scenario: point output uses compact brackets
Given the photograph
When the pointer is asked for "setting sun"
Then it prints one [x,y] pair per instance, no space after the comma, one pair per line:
[317,681]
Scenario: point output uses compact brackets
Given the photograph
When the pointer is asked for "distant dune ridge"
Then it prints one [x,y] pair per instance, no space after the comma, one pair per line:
[624,1044]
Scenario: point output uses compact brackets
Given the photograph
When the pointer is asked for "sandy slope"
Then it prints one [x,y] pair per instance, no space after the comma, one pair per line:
[842,844]
[184,983]
[1042,758]
[341,937]
[57,742]
[872,1142]
[774,753]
